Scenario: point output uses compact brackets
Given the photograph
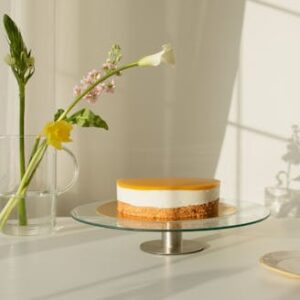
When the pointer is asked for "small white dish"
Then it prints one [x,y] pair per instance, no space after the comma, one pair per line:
[286,263]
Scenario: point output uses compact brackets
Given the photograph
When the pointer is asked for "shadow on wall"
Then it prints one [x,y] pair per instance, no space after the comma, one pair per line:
[163,122]
[203,98]
[283,199]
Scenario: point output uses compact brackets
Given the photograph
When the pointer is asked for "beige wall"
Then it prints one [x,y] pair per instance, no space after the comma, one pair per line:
[226,109]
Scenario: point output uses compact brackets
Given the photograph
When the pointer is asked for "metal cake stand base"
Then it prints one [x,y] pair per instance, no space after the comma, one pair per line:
[171,243]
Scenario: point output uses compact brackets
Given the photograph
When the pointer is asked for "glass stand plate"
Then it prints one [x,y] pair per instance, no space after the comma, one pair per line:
[230,216]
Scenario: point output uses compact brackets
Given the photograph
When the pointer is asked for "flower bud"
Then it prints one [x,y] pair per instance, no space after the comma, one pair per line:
[165,56]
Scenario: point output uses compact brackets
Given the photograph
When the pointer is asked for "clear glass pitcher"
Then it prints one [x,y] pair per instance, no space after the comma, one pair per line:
[39,202]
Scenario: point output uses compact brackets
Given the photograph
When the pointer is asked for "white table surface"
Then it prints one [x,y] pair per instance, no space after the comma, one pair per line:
[85,263]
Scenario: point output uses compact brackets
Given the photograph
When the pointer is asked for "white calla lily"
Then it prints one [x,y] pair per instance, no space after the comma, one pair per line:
[165,56]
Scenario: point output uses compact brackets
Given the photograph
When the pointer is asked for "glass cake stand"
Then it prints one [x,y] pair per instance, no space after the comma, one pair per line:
[171,242]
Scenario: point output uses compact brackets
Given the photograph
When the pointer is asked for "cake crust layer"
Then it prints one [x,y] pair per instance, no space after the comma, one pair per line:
[203,211]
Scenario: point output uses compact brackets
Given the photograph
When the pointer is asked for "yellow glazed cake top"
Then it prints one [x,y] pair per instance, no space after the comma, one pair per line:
[168,183]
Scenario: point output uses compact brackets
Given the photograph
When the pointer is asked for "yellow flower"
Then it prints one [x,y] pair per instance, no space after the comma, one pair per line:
[166,56]
[57,133]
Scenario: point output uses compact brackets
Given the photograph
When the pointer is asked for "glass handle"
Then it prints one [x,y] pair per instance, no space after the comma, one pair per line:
[75,175]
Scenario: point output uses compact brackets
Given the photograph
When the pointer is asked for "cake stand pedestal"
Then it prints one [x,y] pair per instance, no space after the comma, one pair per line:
[171,242]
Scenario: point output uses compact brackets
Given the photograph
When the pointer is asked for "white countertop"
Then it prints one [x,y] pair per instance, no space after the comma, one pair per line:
[83,262]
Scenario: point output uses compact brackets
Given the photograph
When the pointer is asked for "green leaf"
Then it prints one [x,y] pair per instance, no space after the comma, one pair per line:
[59,112]
[17,44]
[86,118]
[20,59]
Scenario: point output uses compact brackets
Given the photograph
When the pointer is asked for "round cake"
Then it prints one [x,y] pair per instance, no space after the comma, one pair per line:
[167,199]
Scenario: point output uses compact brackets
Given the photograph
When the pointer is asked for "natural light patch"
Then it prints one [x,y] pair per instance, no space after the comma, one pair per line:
[265,103]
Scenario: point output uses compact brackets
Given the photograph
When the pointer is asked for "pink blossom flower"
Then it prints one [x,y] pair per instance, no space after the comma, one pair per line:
[91,78]
[108,66]
[76,90]
[94,94]
[86,82]
[110,87]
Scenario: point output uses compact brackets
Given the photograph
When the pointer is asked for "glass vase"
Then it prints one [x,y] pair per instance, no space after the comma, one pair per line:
[35,213]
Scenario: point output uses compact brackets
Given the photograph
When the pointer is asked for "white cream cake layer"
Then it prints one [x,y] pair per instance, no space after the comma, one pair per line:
[166,198]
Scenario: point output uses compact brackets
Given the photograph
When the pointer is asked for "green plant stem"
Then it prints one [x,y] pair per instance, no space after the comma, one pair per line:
[13,201]
[22,205]
[41,149]
[35,147]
